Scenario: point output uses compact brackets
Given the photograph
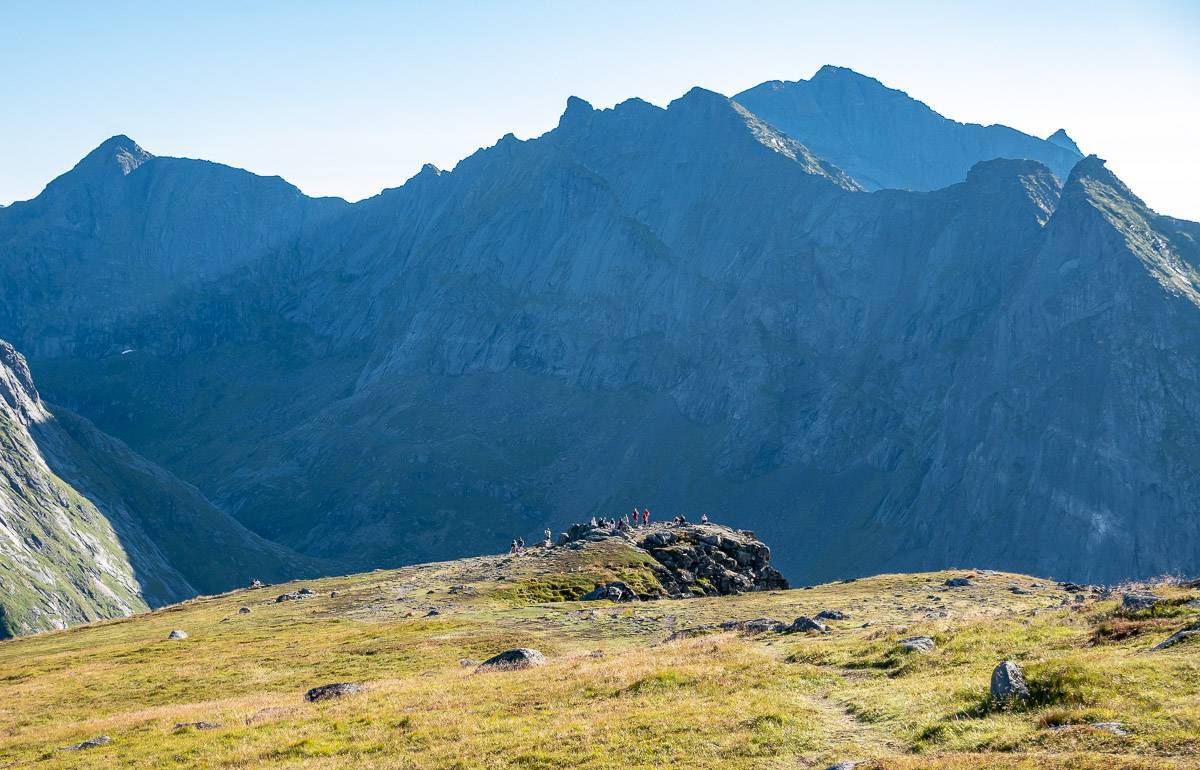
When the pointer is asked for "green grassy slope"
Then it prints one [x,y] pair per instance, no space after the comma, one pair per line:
[614,693]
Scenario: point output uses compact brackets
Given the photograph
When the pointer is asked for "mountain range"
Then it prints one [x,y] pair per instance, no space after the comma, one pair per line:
[818,310]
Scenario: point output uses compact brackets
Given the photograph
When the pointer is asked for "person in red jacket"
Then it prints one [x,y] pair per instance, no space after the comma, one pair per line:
[646,517]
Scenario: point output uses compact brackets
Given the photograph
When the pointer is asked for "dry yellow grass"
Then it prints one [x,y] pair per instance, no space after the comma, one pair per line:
[613,694]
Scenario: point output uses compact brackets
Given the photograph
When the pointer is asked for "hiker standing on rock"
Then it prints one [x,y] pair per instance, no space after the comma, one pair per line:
[704,518]
[646,517]
[513,548]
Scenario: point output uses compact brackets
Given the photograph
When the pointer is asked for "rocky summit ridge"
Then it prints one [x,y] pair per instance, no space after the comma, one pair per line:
[692,559]
[883,138]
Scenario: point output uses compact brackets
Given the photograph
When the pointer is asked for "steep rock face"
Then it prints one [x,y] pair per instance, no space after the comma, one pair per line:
[1062,139]
[90,530]
[883,138]
[684,307]
[60,560]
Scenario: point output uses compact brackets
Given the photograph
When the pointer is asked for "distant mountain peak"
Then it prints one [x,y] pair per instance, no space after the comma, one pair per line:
[1017,180]
[884,138]
[576,104]
[1062,139]
[1093,170]
[578,111]
[120,150]
[700,98]
[832,71]
[1004,167]
[1093,167]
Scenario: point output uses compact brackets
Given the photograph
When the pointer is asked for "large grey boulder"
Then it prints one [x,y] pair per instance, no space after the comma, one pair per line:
[918,644]
[805,624]
[1008,683]
[177,635]
[333,691]
[510,660]
[1136,601]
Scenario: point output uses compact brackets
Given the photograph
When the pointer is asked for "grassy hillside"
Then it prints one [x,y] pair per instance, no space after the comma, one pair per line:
[614,693]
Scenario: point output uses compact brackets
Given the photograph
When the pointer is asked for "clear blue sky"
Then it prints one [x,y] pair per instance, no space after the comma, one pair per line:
[348,98]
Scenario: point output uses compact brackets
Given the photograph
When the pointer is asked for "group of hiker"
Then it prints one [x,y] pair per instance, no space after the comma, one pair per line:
[639,519]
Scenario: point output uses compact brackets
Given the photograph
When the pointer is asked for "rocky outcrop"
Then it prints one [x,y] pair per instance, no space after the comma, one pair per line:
[692,559]
[711,560]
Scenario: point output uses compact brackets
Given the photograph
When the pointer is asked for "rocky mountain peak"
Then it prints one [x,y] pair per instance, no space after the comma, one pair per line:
[117,152]
[1026,181]
[884,138]
[1061,138]
[1093,183]
[114,159]
[831,73]
[1093,167]
[699,97]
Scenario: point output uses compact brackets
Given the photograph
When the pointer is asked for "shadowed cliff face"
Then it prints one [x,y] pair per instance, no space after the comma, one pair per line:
[883,138]
[680,308]
[90,530]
